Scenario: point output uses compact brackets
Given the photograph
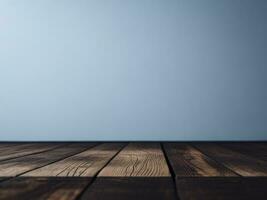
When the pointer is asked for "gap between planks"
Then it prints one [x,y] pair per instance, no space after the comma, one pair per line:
[102,154]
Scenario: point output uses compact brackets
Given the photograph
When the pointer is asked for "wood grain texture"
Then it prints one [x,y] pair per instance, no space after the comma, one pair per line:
[139,171]
[45,188]
[9,144]
[239,163]
[187,161]
[17,150]
[21,165]
[62,180]
[87,163]
[207,171]
[190,165]
[251,149]
[138,160]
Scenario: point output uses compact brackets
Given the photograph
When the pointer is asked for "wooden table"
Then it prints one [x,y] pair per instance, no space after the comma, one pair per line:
[119,170]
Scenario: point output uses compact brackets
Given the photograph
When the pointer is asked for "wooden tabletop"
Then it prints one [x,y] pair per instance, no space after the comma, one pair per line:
[116,170]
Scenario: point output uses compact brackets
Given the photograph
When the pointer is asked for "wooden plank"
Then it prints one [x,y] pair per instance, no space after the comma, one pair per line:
[191,167]
[43,188]
[200,177]
[87,163]
[9,144]
[202,172]
[187,161]
[138,160]
[222,188]
[9,147]
[70,176]
[131,188]
[139,171]
[21,165]
[18,150]
[239,163]
[253,149]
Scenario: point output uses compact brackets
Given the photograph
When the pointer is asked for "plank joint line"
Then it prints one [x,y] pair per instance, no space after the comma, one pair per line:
[95,176]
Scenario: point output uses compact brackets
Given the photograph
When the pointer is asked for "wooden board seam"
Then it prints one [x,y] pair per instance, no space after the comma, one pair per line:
[18,175]
[60,146]
[58,159]
[95,176]
[218,162]
[171,170]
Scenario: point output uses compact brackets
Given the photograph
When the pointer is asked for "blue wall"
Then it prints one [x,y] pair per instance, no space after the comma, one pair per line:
[133,70]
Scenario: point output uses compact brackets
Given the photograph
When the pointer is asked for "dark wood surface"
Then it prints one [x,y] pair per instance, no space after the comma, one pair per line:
[9,151]
[242,164]
[18,166]
[139,171]
[254,150]
[185,171]
[187,161]
[138,160]
[86,163]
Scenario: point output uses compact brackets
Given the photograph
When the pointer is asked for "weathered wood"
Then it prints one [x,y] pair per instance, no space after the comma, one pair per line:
[17,150]
[62,180]
[202,171]
[46,188]
[187,161]
[139,171]
[189,166]
[9,144]
[87,163]
[21,165]
[240,163]
[138,160]
[252,149]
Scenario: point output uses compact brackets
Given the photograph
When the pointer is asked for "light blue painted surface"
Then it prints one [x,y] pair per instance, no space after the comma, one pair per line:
[133,70]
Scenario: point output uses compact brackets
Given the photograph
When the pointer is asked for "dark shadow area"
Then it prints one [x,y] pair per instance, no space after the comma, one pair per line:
[25,188]
[131,188]
[219,188]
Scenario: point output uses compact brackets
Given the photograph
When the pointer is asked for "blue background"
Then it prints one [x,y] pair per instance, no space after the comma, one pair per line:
[133,70]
